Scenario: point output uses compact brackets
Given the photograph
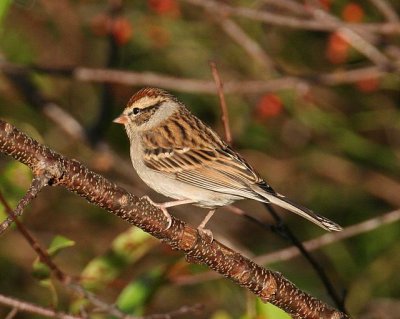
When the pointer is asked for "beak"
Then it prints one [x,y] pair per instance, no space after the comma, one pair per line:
[122,119]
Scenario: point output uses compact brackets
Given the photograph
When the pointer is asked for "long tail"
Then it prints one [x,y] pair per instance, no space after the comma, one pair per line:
[283,202]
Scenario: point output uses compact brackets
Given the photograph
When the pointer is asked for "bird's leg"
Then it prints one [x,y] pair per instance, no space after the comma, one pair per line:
[206,232]
[176,203]
[164,206]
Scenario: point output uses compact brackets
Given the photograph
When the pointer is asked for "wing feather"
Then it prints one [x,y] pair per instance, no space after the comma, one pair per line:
[219,170]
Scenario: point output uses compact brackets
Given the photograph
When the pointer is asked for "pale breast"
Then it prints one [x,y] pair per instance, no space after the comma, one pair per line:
[170,187]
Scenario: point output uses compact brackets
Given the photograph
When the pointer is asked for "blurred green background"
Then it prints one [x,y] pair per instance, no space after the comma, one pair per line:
[326,140]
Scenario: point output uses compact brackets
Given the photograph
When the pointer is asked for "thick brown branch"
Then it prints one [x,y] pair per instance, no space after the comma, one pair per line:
[268,285]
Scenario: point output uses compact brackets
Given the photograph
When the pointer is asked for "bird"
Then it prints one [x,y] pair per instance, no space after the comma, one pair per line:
[179,156]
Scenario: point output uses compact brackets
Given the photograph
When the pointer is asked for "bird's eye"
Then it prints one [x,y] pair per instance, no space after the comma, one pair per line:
[135,111]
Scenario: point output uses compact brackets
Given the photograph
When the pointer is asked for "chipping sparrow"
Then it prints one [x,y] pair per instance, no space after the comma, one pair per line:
[179,156]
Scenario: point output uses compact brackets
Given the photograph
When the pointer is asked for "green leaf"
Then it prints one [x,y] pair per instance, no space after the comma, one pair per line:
[48,283]
[59,243]
[76,306]
[135,296]
[15,179]
[40,270]
[132,244]
[100,271]
[267,310]
[126,249]
[4,5]
[220,314]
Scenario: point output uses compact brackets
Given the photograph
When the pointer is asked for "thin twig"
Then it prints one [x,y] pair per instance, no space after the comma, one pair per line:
[224,109]
[387,10]
[284,231]
[329,238]
[288,5]
[291,252]
[100,304]
[242,213]
[287,233]
[250,46]
[184,310]
[202,86]
[12,313]
[290,21]
[42,253]
[32,308]
[353,38]
[58,273]
[37,184]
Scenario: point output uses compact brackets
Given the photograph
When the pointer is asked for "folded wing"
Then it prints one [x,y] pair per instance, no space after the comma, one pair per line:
[219,170]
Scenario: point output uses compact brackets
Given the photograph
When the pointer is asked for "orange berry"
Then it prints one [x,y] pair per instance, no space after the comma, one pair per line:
[326,4]
[368,84]
[122,30]
[337,50]
[353,12]
[164,7]
[270,105]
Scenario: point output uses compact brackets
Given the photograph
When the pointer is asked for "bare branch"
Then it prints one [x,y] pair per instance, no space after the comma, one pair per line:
[222,102]
[251,47]
[201,86]
[345,172]
[351,35]
[184,310]
[38,183]
[329,238]
[310,245]
[291,6]
[287,233]
[12,313]
[32,308]
[58,273]
[268,285]
[42,253]
[387,10]
[292,22]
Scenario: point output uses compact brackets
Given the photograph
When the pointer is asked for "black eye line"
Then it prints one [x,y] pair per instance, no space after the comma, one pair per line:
[146,109]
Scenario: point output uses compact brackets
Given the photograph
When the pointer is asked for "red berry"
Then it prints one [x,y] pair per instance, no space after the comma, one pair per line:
[270,105]
[122,30]
[326,4]
[337,50]
[368,84]
[353,12]
[164,7]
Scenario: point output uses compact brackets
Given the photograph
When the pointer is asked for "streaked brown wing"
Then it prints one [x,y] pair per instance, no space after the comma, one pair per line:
[220,170]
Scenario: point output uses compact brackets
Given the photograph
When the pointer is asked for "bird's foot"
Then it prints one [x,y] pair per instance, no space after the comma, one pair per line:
[205,234]
[163,209]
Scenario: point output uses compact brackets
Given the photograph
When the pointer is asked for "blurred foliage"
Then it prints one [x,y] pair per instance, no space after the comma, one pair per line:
[321,145]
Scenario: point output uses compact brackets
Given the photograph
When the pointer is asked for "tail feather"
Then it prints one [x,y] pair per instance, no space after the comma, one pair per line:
[283,202]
